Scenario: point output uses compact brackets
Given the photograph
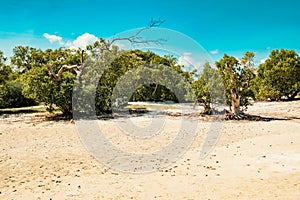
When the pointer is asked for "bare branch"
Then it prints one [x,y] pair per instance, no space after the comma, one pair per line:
[51,72]
[136,39]
[76,68]
[156,23]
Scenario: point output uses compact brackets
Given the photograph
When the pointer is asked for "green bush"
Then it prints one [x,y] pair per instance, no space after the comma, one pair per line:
[40,87]
[279,76]
[11,96]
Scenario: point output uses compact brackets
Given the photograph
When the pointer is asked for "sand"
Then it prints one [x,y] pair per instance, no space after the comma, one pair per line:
[251,160]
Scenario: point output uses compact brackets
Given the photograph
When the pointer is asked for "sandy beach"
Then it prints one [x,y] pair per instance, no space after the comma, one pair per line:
[44,159]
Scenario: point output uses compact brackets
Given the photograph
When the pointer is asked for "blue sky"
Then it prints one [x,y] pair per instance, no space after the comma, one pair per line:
[231,26]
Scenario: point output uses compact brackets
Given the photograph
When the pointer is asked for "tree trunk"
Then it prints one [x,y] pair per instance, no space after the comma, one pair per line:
[206,105]
[236,102]
[235,99]
[235,112]
[207,108]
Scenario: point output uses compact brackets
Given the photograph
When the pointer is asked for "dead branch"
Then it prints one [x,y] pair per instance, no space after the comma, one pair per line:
[136,38]
[76,68]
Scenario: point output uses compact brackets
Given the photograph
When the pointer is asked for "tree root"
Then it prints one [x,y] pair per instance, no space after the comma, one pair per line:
[244,116]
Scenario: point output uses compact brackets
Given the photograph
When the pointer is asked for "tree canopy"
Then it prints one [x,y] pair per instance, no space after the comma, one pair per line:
[237,80]
[11,87]
[279,76]
[48,77]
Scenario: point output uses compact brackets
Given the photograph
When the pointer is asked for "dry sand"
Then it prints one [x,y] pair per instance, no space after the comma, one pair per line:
[251,160]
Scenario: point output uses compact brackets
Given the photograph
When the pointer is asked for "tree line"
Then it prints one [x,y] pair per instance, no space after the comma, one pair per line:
[33,76]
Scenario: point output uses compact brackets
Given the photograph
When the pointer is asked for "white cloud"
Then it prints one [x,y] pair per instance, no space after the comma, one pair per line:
[82,41]
[187,60]
[122,45]
[215,52]
[53,38]
[263,60]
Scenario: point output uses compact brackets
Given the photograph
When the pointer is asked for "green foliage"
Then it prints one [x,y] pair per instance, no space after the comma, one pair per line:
[39,86]
[5,70]
[208,88]
[150,76]
[279,76]
[202,94]
[162,70]
[237,77]
[150,84]
[3,95]
[214,83]
[11,87]
[11,96]
[25,58]
[247,60]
